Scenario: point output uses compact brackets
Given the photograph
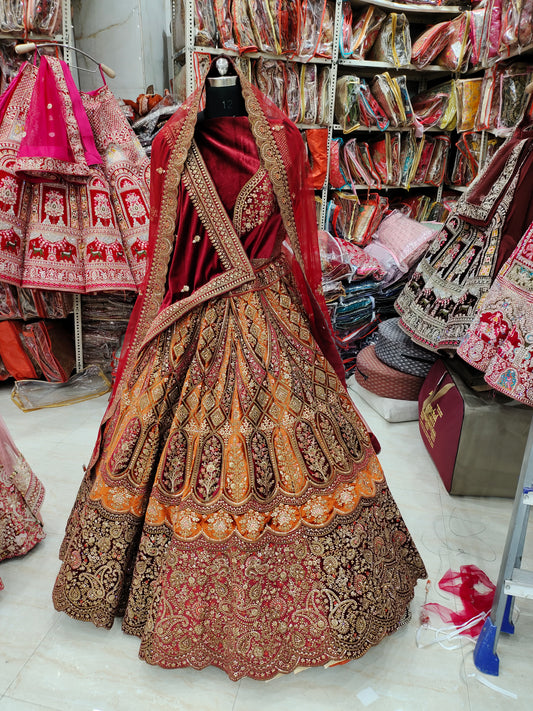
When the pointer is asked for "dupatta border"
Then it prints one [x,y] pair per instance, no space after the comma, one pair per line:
[467,209]
[153,289]
[222,234]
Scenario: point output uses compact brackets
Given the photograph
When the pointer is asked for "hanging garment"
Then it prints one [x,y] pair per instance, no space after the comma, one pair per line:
[61,230]
[126,169]
[440,300]
[500,339]
[234,511]
[14,192]
[21,496]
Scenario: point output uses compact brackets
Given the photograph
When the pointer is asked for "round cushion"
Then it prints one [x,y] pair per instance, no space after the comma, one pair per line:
[378,378]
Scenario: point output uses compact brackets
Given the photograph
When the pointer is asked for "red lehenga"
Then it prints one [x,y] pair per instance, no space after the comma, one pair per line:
[234,511]
[21,496]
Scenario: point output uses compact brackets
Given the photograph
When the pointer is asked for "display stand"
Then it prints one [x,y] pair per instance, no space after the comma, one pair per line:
[513,581]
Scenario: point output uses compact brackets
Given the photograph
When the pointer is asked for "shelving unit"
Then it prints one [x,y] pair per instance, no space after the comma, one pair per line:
[338,64]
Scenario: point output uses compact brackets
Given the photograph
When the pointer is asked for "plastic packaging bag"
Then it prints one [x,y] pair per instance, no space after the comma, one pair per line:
[365,29]
[513,99]
[437,164]
[292,95]
[466,164]
[436,106]
[312,14]
[12,16]
[205,24]
[44,16]
[525,24]
[224,24]
[360,165]
[242,26]
[457,52]
[271,80]
[393,43]
[468,96]
[323,91]
[263,26]
[430,43]
[337,176]
[324,47]
[346,35]
[370,112]
[347,103]
[287,13]
[31,395]
[308,93]
[388,95]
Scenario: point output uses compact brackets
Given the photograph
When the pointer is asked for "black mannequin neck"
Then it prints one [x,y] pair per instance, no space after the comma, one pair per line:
[224,101]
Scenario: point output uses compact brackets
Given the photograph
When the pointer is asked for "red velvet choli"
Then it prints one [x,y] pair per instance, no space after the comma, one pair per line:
[230,154]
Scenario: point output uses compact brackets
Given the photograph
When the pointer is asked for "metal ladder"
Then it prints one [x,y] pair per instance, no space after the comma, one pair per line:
[512,580]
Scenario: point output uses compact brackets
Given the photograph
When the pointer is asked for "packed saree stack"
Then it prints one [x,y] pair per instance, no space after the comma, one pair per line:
[73,186]
[234,512]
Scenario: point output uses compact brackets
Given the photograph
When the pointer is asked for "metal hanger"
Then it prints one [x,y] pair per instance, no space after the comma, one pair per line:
[32,47]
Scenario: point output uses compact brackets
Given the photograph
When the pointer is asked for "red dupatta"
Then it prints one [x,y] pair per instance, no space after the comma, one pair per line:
[282,154]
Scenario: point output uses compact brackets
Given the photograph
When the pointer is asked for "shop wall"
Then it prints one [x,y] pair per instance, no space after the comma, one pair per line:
[127,35]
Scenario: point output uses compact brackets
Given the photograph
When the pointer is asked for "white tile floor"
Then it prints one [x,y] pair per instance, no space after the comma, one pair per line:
[48,661]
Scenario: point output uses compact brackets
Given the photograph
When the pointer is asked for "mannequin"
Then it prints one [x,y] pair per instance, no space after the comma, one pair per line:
[223,93]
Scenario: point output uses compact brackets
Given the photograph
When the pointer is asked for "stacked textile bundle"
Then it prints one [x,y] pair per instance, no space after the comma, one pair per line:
[361,284]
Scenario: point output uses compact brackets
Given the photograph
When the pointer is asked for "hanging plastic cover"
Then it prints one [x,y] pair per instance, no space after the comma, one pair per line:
[430,43]
[347,103]
[393,43]
[365,29]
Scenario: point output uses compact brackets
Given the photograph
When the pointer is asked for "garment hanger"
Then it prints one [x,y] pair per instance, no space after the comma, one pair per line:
[32,47]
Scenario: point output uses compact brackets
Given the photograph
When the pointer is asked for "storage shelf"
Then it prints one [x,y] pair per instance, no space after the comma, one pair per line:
[370,64]
[31,37]
[390,129]
[257,55]
[422,9]
[357,186]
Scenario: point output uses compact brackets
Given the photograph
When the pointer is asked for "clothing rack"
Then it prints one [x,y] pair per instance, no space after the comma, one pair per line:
[513,581]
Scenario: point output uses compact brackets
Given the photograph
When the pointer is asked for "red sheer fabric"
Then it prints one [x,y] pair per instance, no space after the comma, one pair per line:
[476,592]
